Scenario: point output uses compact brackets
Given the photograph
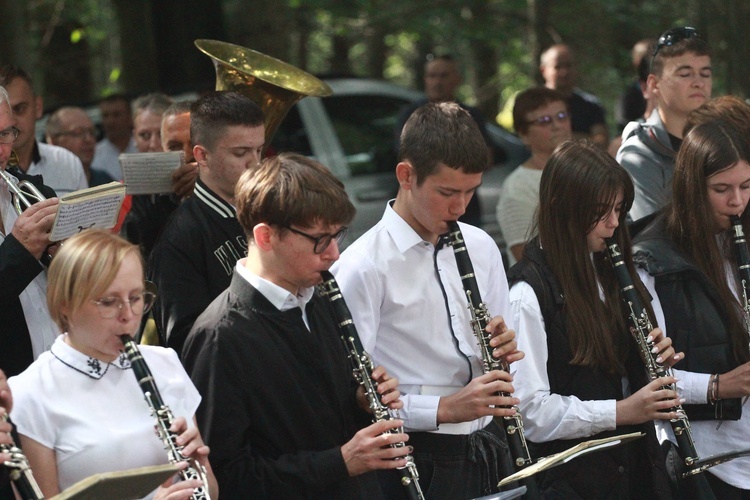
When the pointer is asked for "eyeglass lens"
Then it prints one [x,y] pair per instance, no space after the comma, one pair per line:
[548,119]
[109,307]
[8,135]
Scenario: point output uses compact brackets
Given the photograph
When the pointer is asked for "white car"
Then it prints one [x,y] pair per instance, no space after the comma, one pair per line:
[352,132]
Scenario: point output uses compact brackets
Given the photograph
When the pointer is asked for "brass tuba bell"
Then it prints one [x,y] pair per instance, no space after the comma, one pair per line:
[270,83]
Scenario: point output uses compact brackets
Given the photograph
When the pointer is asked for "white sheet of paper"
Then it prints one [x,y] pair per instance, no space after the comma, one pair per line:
[149,173]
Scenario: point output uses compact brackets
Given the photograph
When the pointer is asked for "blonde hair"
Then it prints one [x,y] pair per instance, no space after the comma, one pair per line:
[83,269]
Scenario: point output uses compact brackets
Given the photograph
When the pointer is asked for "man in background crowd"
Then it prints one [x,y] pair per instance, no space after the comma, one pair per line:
[117,122]
[559,71]
[61,169]
[71,128]
[149,213]
[680,81]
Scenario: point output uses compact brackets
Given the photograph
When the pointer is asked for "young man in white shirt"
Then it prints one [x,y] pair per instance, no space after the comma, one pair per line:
[407,300]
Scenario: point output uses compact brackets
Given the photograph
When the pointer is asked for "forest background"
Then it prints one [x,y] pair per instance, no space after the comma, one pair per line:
[81,50]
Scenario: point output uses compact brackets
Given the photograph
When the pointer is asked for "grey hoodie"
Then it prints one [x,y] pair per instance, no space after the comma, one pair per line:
[647,154]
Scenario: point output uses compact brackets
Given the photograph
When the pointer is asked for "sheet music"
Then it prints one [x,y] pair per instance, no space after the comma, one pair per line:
[76,213]
[149,173]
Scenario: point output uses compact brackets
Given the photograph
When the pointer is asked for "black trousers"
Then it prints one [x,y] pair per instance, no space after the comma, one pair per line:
[454,467]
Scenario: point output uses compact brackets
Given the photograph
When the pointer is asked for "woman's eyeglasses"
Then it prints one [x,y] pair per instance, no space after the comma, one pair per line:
[546,120]
[139,303]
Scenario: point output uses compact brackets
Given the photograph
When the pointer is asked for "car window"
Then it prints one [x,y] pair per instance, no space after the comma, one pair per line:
[365,128]
[291,135]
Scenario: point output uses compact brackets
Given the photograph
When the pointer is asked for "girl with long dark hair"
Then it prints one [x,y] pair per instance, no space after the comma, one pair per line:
[688,262]
[582,377]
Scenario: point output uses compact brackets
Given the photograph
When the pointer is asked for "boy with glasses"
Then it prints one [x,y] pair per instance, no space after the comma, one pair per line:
[680,81]
[282,413]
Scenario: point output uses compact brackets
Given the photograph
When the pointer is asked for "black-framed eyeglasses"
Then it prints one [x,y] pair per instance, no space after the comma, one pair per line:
[546,120]
[79,133]
[111,307]
[673,36]
[8,135]
[322,241]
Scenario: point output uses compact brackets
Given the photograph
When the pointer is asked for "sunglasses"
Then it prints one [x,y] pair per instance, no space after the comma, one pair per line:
[673,36]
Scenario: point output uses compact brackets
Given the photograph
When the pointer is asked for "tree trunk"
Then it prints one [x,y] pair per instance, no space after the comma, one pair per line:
[377,51]
[340,58]
[66,66]
[538,12]
[178,23]
[14,47]
[262,25]
[139,56]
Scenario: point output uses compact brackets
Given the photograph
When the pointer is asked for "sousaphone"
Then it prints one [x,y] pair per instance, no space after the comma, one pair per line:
[270,83]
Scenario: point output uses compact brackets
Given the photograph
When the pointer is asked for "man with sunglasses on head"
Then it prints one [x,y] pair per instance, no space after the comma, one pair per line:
[27,329]
[680,81]
[283,415]
[193,259]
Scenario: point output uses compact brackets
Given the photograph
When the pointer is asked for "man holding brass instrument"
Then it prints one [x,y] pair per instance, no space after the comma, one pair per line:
[193,260]
[27,329]
[62,170]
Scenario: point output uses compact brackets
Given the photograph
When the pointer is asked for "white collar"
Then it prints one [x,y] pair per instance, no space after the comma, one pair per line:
[91,367]
[404,236]
[281,298]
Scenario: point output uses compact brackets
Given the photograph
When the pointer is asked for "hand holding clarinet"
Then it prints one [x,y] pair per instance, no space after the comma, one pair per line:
[381,445]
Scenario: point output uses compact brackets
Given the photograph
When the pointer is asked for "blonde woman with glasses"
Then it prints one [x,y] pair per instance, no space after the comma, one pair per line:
[78,408]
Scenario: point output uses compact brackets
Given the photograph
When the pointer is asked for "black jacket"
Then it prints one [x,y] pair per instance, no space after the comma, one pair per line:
[18,268]
[278,399]
[695,316]
[193,261]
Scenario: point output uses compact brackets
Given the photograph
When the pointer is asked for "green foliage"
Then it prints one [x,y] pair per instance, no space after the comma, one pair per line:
[600,31]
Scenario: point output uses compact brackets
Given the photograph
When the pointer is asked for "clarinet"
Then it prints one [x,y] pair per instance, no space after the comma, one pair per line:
[743,266]
[362,367]
[20,471]
[640,326]
[480,318]
[164,419]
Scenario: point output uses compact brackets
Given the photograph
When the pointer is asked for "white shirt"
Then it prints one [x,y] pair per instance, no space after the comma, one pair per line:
[548,416]
[281,298]
[93,414]
[516,206]
[42,329]
[60,169]
[711,437]
[106,157]
[392,286]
